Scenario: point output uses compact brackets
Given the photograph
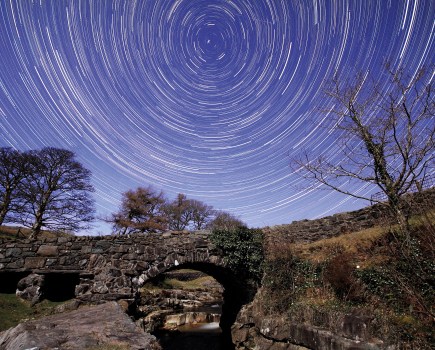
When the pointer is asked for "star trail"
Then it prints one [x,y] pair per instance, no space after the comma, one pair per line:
[210,98]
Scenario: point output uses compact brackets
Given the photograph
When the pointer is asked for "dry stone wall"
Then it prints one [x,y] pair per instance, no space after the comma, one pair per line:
[306,231]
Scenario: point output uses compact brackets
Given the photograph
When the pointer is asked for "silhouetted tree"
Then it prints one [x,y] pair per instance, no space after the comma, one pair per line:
[224,221]
[56,192]
[386,137]
[201,214]
[179,212]
[141,211]
[13,169]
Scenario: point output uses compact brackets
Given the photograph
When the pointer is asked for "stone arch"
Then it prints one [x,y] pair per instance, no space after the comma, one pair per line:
[237,292]
[174,259]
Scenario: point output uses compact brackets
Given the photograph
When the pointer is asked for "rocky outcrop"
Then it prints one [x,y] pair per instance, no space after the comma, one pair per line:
[86,327]
[169,308]
[198,299]
[255,329]
[191,317]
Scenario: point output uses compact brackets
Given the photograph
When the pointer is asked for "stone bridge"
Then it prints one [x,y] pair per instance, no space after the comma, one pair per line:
[108,267]
[96,269]
[114,267]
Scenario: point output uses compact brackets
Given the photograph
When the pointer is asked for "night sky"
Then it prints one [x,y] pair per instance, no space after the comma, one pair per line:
[205,97]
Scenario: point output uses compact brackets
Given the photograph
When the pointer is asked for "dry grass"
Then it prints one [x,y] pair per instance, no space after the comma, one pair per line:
[174,283]
[198,283]
[359,244]
[16,232]
[363,272]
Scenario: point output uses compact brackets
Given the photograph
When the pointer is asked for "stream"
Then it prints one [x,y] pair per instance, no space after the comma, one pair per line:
[197,336]
[205,336]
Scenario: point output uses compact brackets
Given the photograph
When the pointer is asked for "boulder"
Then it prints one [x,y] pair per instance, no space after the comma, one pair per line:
[84,328]
[31,288]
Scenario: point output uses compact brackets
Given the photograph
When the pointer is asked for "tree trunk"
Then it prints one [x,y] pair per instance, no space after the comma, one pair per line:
[5,208]
[36,227]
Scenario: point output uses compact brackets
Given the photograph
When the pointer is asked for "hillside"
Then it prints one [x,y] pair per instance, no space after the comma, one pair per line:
[373,286]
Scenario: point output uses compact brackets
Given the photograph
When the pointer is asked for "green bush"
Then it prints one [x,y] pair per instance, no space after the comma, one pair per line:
[243,251]
[409,276]
[287,278]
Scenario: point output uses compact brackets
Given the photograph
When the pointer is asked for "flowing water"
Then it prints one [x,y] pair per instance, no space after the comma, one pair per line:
[198,336]
[205,336]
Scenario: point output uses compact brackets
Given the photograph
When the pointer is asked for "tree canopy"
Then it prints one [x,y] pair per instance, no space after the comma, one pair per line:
[13,169]
[46,188]
[141,211]
[148,210]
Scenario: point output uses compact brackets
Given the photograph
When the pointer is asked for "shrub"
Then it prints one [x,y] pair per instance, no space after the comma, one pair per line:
[339,273]
[286,279]
[243,251]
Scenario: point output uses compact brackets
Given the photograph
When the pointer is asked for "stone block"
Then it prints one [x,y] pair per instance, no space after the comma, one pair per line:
[119,249]
[100,288]
[97,250]
[61,240]
[34,263]
[104,245]
[82,288]
[178,319]
[13,252]
[51,262]
[96,260]
[141,265]
[16,264]
[76,246]
[86,249]
[30,287]
[356,326]
[139,249]
[130,256]
[48,250]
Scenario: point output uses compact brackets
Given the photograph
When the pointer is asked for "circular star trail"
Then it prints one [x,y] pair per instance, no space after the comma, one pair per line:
[205,97]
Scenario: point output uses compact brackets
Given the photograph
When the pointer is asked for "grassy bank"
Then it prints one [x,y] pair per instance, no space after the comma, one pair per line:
[379,273]
[14,310]
[17,232]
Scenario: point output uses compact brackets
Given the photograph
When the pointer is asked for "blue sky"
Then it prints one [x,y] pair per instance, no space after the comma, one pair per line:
[208,98]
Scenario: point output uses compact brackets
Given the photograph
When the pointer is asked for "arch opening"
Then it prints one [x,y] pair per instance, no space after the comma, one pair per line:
[9,281]
[234,293]
[60,286]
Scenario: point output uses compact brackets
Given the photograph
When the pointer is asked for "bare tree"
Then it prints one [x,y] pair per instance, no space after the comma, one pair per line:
[179,212]
[386,136]
[224,221]
[12,172]
[201,214]
[56,192]
[141,211]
